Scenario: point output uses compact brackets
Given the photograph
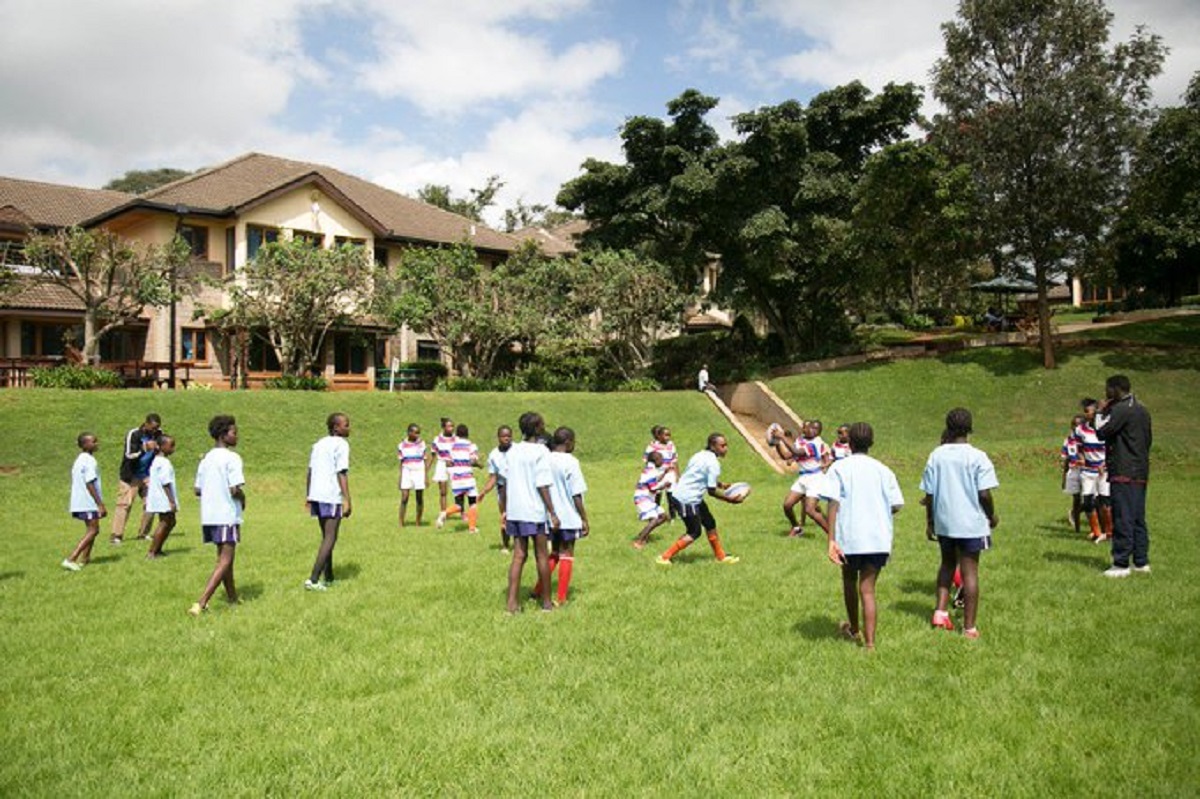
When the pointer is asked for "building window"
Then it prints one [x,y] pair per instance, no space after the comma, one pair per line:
[12,253]
[350,354]
[428,350]
[256,237]
[193,345]
[315,240]
[122,345]
[197,238]
[230,249]
[339,241]
[381,258]
[260,356]
[48,340]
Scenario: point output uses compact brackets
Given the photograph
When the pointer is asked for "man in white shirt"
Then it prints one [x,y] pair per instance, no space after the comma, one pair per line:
[529,508]
[328,489]
[863,495]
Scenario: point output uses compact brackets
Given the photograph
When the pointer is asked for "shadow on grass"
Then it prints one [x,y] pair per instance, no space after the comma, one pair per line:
[1058,531]
[250,592]
[104,559]
[916,586]
[922,610]
[10,575]
[346,571]
[177,550]
[816,628]
[1099,561]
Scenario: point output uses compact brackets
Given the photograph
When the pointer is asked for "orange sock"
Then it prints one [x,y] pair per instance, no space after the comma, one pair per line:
[683,543]
[453,510]
[714,541]
[565,566]
[1094,522]
[1106,523]
[472,516]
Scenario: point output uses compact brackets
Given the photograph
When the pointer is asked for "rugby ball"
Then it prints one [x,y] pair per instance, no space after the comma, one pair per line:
[738,491]
[774,433]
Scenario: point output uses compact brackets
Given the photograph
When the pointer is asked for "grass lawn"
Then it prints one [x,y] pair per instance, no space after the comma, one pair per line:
[1171,331]
[701,679]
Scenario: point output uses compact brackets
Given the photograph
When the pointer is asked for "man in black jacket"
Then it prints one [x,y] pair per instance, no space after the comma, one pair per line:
[1127,435]
[141,444]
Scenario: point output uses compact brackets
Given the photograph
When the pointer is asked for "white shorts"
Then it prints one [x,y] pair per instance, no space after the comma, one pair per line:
[809,485]
[1072,483]
[441,474]
[647,508]
[1093,485]
[412,479]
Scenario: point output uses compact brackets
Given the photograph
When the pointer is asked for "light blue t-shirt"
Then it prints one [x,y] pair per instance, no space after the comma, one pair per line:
[866,491]
[568,482]
[84,471]
[954,476]
[527,469]
[497,464]
[701,474]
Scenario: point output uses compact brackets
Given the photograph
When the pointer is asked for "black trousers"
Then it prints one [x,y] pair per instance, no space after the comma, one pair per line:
[1131,539]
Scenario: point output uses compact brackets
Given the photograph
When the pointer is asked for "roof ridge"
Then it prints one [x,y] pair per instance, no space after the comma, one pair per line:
[199,173]
[65,186]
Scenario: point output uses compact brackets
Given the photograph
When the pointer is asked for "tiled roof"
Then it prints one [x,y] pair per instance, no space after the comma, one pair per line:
[50,205]
[44,295]
[246,181]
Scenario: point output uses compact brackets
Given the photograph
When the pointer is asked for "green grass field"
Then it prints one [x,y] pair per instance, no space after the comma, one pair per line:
[408,677]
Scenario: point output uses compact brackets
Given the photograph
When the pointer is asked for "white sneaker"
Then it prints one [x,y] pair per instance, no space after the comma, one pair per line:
[309,585]
[441,521]
[1117,571]
[72,566]
[1142,569]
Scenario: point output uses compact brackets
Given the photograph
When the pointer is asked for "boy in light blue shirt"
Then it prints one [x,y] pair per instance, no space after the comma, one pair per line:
[701,479]
[960,515]
[863,495]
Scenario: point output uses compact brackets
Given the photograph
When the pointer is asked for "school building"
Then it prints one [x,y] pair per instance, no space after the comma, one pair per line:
[225,213]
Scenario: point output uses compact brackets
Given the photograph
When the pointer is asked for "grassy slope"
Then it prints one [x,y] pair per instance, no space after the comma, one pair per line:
[698,680]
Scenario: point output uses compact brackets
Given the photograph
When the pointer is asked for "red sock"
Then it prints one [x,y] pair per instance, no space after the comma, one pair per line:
[552,561]
[1094,522]
[677,547]
[1106,521]
[566,564]
[958,578]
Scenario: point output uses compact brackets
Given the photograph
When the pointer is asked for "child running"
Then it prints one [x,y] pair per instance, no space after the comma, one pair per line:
[162,498]
[496,466]
[960,515]
[660,442]
[464,460]
[529,507]
[812,456]
[327,488]
[701,478]
[221,486]
[1072,461]
[841,446]
[566,490]
[87,504]
[645,497]
[863,495]
[439,454]
[411,454]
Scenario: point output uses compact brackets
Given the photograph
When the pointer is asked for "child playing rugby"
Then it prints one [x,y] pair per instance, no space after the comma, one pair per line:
[812,457]
[701,478]
[960,515]
[566,489]
[411,454]
[1072,461]
[220,484]
[863,495]
[327,491]
[161,496]
[496,466]
[529,507]
[86,502]
[645,497]
[464,459]
[439,455]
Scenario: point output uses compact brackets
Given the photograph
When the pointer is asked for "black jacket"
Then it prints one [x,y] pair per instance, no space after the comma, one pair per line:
[1127,434]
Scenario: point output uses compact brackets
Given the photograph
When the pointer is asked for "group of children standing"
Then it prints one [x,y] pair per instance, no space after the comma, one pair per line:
[1085,473]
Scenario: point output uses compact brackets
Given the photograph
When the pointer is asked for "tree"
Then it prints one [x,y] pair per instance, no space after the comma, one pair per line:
[449,294]
[1046,116]
[472,206]
[775,206]
[114,279]
[537,215]
[140,181]
[296,293]
[1157,241]
[916,225]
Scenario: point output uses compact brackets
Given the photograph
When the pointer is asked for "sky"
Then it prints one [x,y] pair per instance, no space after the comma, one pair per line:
[411,92]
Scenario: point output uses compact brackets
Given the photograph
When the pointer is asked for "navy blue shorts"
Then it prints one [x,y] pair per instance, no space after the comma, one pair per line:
[221,533]
[963,546]
[867,560]
[325,510]
[525,529]
[86,515]
[566,535]
[697,519]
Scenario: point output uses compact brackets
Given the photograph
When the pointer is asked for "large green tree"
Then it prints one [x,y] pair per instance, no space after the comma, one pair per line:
[113,278]
[472,206]
[774,206]
[1158,237]
[293,293]
[1046,114]
[139,181]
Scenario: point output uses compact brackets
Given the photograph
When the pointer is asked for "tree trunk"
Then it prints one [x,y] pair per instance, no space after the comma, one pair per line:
[1043,310]
[91,342]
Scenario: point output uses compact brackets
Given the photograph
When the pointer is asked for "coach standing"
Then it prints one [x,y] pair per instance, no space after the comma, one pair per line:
[1127,435]
[141,444]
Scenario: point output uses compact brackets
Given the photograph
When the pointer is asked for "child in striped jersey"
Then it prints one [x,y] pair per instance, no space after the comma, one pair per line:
[648,485]
[660,442]
[1072,462]
[464,459]
[812,456]
[439,458]
[1093,475]
[411,454]
[841,446]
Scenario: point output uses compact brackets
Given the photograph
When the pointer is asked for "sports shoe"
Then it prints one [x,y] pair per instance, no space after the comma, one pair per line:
[942,621]
[309,585]
[116,542]
[441,521]
[1100,539]
[1142,569]
[638,544]
[72,566]
[196,609]
[661,561]
[1117,571]
[972,634]
[729,559]
[796,532]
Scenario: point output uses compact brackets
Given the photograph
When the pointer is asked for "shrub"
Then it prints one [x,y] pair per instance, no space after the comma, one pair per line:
[296,383]
[74,376]
[639,384]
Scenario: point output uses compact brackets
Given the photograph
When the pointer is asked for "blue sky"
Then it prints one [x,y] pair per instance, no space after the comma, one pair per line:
[409,92]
